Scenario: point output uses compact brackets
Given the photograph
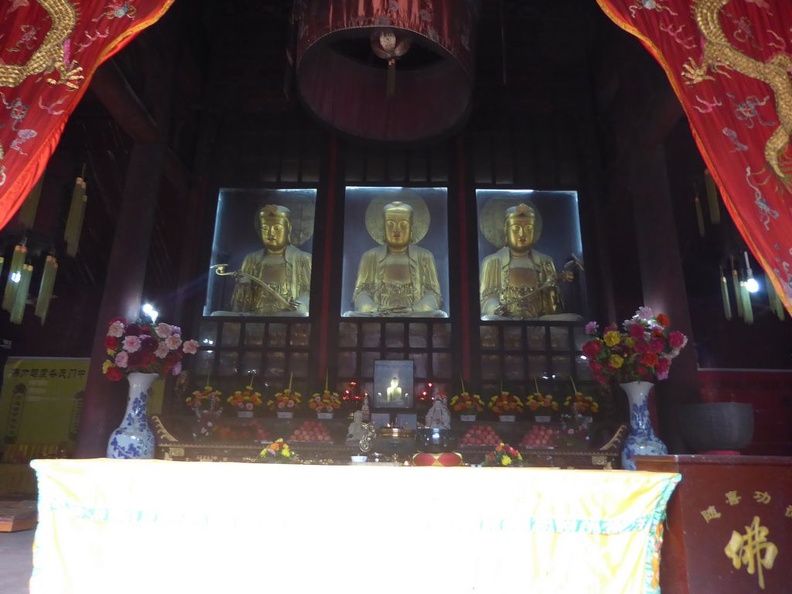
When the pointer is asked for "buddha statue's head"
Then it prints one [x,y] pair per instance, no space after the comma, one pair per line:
[273,224]
[520,228]
[398,226]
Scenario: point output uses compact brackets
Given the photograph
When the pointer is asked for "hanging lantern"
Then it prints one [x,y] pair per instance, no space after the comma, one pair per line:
[350,55]
[74,221]
[14,276]
[45,289]
[20,298]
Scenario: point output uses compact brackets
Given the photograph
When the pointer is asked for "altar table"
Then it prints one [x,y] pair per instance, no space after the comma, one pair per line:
[127,526]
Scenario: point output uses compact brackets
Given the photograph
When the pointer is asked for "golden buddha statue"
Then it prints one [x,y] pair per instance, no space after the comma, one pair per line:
[397,278]
[517,281]
[275,280]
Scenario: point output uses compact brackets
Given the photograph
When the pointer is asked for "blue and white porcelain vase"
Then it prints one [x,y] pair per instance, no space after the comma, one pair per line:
[642,440]
[134,438]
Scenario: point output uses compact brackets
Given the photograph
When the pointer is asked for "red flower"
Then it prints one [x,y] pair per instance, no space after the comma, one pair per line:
[636,331]
[592,348]
[111,343]
[114,374]
[676,339]
[649,359]
[663,320]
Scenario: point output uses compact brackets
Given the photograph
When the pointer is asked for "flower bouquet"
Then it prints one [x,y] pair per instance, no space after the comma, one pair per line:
[285,403]
[503,455]
[325,403]
[542,406]
[144,347]
[278,452]
[208,400]
[581,404]
[207,405]
[467,404]
[642,351]
[245,401]
[505,405]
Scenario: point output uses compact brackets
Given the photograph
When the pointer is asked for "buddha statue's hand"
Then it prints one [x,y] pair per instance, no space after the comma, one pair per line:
[502,310]
[426,304]
[364,304]
[241,278]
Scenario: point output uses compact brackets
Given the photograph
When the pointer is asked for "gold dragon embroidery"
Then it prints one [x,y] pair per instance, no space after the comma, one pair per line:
[52,52]
[718,53]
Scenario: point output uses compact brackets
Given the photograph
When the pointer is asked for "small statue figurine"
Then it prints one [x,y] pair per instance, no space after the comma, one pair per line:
[356,429]
[438,416]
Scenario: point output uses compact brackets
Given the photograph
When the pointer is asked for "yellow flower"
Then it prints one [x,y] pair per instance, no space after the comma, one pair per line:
[615,361]
[506,460]
[612,338]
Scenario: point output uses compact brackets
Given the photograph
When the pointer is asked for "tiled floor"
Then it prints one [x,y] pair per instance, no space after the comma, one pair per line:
[16,561]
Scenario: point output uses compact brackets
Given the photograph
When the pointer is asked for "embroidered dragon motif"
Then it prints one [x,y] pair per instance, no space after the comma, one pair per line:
[719,53]
[52,53]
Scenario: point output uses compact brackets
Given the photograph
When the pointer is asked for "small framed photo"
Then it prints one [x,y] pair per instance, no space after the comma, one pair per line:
[393,384]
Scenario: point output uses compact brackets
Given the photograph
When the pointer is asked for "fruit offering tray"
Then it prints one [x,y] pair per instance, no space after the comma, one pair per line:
[547,445]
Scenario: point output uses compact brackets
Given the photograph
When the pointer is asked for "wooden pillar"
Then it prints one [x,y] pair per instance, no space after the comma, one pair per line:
[663,283]
[105,400]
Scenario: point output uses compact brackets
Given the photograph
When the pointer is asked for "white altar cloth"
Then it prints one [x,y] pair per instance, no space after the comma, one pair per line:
[125,526]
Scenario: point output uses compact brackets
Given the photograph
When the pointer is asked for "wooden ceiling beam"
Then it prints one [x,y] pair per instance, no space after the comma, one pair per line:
[122,103]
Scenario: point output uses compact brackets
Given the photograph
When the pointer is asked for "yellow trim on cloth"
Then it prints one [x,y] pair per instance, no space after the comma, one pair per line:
[126,525]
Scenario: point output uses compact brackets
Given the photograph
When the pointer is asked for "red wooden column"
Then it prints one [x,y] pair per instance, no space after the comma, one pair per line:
[105,400]
[663,282]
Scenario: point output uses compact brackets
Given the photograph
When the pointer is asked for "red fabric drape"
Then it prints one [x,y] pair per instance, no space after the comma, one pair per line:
[729,63]
[49,50]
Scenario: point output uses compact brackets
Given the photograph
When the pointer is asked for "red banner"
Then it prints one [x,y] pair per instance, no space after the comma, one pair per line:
[50,51]
[729,62]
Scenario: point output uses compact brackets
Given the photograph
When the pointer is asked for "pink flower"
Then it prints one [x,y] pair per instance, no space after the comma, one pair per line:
[131,344]
[162,350]
[592,328]
[176,369]
[173,342]
[190,347]
[122,359]
[163,330]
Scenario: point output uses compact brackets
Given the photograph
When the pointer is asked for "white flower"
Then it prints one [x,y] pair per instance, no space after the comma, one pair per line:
[116,329]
